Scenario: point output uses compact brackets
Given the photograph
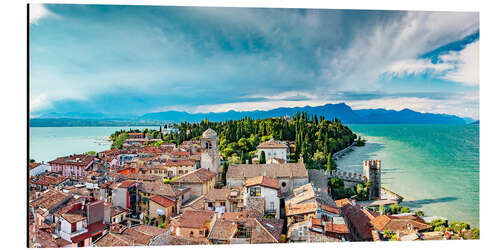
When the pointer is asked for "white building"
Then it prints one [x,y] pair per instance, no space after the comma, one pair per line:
[266,188]
[274,150]
[289,175]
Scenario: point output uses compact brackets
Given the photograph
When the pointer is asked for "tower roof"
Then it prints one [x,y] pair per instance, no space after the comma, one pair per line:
[209,133]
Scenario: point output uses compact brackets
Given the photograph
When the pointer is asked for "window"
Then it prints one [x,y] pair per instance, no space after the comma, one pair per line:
[272,205]
[255,191]
[201,233]
[191,234]
[223,204]
[73,227]
[283,184]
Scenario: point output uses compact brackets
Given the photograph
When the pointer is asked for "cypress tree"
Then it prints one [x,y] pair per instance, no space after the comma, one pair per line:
[262,158]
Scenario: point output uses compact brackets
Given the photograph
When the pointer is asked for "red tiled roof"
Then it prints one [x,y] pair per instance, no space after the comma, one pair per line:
[195,219]
[337,228]
[164,202]
[272,144]
[330,209]
[222,230]
[359,220]
[117,210]
[80,237]
[48,180]
[342,202]
[134,133]
[263,181]
[179,163]
[127,183]
[73,160]
[180,153]
[394,224]
[33,165]
[96,227]
[50,199]
[198,176]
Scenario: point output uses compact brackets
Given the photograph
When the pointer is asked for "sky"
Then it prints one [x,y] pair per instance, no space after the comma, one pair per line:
[132,60]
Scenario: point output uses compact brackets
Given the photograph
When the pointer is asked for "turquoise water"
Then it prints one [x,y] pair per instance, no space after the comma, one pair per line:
[48,143]
[434,167]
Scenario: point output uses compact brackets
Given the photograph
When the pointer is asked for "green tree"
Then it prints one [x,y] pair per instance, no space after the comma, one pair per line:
[32,160]
[262,157]
[458,226]
[405,209]
[419,213]
[224,172]
[475,233]
[395,208]
[381,209]
[437,223]
[93,153]
[329,163]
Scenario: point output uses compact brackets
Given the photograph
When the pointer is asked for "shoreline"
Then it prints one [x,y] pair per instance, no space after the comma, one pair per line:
[353,163]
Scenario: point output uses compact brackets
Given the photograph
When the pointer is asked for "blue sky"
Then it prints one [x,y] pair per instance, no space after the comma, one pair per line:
[140,59]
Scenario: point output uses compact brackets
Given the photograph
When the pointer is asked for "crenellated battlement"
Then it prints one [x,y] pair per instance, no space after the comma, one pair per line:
[349,176]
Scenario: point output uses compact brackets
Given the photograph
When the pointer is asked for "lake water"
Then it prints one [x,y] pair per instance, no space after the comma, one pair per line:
[434,167]
[48,143]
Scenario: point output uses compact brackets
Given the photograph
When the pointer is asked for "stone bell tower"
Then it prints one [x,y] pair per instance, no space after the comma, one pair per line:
[210,158]
[371,170]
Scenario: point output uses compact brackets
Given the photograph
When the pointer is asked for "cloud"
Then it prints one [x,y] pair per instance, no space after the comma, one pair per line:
[196,58]
[37,12]
[457,66]
[417,66]
[466,65]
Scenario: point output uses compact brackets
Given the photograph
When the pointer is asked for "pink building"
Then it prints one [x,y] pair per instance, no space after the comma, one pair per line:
[73,165]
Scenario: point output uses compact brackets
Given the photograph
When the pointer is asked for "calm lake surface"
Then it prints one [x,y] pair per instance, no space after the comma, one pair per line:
[48,143]
[434,167]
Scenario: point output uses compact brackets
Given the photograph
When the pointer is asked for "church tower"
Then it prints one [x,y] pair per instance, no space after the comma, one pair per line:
[371,169]
[210,158]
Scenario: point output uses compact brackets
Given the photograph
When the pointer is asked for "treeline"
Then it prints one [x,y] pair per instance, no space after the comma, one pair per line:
[315,137]
[118,137]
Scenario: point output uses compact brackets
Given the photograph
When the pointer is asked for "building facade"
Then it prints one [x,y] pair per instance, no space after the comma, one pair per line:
[210,158]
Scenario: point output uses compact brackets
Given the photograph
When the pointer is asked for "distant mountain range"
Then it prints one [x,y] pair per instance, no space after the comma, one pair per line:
[341,111]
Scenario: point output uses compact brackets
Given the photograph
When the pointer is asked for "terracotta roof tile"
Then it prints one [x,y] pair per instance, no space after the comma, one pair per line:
[195,219]
[74,160]
[164,202]
[263,181]
[337,228]
[394,224]
[50,199]
[198,176]
[342,202]
[359,220]
[161,189]
[217,194]
[272,144]
[222,230]
[287,170]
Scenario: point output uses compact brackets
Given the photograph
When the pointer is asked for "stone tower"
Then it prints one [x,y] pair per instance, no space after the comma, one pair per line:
[210,158]
[371,169]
